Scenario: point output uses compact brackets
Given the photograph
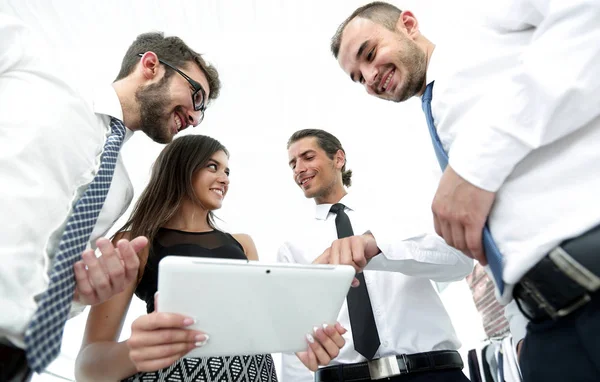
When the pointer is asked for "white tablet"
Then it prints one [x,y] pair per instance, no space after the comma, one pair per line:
[249,307]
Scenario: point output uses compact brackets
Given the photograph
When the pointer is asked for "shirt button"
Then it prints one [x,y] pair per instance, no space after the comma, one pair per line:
[385,343]
[378,312]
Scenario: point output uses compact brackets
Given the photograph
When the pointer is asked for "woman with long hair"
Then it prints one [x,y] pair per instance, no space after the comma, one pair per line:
[189,180]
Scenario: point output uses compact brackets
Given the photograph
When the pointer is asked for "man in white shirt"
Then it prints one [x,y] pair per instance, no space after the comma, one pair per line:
[48,162]
[521,122]
[413,332]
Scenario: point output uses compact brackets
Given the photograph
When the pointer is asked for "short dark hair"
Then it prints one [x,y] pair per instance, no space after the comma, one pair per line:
[379,12]
[173,50]
[328,143]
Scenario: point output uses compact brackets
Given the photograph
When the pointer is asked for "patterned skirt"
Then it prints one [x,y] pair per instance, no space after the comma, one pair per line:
[246,368]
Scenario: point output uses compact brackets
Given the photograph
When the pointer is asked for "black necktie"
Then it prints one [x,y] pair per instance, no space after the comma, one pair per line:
[362,321]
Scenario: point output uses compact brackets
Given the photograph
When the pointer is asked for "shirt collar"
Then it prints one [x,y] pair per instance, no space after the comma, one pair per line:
[434,68]
[322,210]
[105,101]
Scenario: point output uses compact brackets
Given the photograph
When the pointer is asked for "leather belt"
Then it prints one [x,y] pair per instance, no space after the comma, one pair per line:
[390,366]
[563,281]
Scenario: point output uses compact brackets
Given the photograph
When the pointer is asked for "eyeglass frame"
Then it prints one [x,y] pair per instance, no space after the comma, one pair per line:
[195,85]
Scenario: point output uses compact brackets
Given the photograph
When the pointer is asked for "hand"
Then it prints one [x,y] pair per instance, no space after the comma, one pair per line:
[109,274]
[354,250]
[159,339]
[460,211]
[323,346]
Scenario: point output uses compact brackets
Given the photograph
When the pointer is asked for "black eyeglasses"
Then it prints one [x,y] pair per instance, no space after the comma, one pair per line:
[199,94]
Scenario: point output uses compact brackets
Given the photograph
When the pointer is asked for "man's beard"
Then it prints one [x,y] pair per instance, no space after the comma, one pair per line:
[154,116]
[414,61]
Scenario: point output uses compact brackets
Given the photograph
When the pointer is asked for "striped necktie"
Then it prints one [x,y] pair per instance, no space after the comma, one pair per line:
[43,336]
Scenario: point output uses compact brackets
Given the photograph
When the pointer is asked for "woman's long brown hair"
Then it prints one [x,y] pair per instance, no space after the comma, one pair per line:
[170,183]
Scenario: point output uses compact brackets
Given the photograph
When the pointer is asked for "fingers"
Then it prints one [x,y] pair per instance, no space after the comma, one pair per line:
[161,320]
[159,339]
[158,357]
[84,290]
[309,359]
[139,243]
[97,274]
[335,336]
[340,328]
[474,244]
[128,251]
[324,258]
[458,239]
[348,251]
[326,342]
[357,249]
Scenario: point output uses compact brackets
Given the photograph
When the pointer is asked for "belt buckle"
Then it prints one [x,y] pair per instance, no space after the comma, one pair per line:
[385,367]
[544,304]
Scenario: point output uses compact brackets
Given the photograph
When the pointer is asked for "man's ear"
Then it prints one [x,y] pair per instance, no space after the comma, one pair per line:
[149,65]
[340,159]
[408,24]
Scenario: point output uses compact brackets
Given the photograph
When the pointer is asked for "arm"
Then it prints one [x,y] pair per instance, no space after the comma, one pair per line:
[554,91]
[101,357]
[248,245]
[423,255]
[157,340]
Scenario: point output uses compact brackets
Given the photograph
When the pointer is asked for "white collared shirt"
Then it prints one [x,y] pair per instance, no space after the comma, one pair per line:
[518,111]
[51,141]
[409,314]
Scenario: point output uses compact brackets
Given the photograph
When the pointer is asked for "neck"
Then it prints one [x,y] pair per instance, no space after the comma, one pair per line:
[190,217]
[332,197]
[427,47]
[126,89]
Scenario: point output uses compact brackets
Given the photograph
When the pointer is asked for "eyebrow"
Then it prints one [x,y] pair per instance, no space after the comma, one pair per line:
[359,53]
[302,154]
[217,163]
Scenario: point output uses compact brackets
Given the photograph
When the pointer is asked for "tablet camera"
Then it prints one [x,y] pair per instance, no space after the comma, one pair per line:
[268,271]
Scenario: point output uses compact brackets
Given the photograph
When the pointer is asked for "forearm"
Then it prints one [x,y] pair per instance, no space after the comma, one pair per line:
[426,256]
[104,361]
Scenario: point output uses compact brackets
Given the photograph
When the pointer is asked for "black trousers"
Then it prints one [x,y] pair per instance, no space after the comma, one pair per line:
[429,376]
[564,350]
[13,365]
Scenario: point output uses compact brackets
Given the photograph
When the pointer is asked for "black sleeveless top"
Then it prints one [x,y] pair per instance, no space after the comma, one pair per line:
[170,242]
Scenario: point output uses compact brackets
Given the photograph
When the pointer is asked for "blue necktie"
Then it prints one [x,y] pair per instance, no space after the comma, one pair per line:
[492,254]
[43,336]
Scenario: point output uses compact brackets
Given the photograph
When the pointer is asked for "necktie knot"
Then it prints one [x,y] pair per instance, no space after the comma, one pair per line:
[117,127]
[337,208]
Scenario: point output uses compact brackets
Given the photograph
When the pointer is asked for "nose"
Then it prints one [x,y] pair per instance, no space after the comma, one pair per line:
[370,74]
[299,169]
[223,179]
[194,118]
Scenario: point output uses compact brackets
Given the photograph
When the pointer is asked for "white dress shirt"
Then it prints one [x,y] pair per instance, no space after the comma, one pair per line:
[51,140]
[409,314]
[518,110]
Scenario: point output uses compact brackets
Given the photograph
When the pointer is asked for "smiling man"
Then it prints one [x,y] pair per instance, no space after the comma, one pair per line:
[393,318]
[512,109]
[64,182]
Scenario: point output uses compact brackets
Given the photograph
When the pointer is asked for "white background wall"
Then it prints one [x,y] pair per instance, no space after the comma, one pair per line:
[278,76]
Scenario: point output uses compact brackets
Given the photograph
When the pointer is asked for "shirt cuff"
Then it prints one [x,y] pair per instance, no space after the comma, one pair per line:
[485,157]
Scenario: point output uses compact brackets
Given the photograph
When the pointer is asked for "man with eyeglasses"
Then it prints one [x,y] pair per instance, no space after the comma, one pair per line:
[64,183]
